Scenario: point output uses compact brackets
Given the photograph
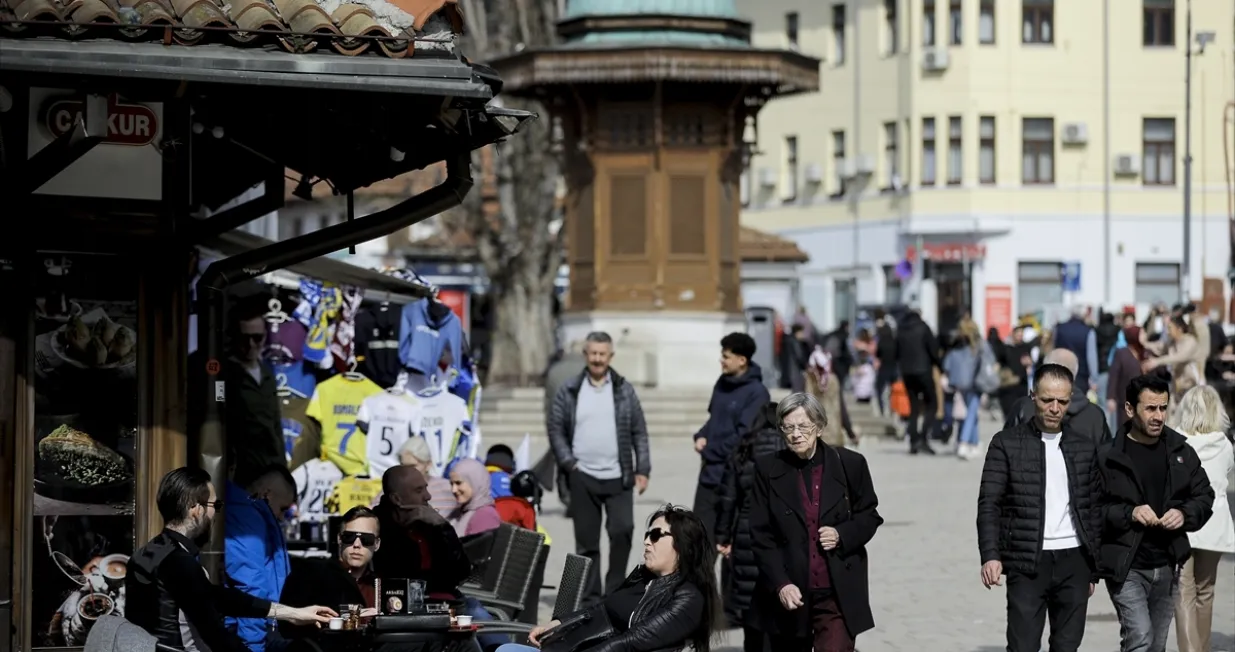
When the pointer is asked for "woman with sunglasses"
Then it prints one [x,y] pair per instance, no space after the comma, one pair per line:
[667,603]
[813,510]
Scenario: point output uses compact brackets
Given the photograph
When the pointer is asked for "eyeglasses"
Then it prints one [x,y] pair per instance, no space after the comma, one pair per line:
[656,534]
[348,538]
[216,504]
[804,428]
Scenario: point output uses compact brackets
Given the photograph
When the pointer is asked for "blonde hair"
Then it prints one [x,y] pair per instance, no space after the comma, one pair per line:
[1200,411]
[418,448]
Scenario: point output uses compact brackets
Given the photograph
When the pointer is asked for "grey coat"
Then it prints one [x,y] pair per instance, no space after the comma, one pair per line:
[632,430]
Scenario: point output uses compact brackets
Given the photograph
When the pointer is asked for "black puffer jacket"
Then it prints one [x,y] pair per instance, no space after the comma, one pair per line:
[733,512]
[667,618]
[1187,490]
[1012,495]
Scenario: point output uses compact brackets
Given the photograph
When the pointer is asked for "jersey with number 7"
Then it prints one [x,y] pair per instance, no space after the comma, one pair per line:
[387,421]
[335,404]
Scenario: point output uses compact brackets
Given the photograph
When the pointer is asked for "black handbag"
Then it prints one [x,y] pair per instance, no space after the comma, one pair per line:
[578,632]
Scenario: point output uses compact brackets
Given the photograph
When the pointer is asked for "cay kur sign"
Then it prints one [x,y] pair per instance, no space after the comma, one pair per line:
[127,124]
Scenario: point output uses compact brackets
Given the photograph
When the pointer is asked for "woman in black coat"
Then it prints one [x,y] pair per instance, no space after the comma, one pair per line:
[813,511]
[733,538]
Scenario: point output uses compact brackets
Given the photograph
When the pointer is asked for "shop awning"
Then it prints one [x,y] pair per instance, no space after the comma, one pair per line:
[376,286]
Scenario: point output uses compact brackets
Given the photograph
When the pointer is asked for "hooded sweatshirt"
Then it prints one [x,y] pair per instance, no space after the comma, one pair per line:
[1217,459]
[423,337]
[736,402]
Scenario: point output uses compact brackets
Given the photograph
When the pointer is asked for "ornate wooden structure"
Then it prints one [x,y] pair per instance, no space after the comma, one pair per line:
[653,98]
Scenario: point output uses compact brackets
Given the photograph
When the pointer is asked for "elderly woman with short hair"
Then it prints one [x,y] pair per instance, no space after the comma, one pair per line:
[813,510]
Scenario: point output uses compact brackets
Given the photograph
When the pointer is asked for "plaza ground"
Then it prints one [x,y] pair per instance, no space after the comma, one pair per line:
[925,587]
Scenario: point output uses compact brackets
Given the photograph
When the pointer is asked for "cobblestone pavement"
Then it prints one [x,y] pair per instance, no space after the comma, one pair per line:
[925,588]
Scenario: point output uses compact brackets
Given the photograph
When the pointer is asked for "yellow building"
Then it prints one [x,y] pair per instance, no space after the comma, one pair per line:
[1011,138]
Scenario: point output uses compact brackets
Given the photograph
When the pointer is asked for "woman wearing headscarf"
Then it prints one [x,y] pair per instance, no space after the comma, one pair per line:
[469,481]
[822,383]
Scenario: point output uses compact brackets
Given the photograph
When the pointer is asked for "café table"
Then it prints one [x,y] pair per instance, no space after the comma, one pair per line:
[393,634]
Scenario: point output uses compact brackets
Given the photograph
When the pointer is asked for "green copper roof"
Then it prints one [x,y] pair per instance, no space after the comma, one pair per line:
[711,8]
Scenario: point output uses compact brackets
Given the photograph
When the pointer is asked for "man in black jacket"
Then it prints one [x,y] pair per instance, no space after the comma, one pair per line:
[1082,415]
[917,355]
[1039,519]
[885,359]
[600,439]
[1156,492]
[417,543]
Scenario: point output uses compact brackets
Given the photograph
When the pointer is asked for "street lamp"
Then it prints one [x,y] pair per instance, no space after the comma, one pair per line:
[1202,39]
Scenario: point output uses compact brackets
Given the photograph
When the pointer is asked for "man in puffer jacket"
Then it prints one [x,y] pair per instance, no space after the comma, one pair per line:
[1039,519]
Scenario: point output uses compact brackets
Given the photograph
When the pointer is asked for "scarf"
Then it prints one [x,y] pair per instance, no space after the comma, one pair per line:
[474,474]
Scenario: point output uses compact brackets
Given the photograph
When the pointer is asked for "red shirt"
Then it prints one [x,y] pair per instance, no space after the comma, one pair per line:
[820,578]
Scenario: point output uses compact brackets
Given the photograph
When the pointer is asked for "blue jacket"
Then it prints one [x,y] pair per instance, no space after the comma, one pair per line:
[255,557]
[422,339]
[736,403]
[1076,336]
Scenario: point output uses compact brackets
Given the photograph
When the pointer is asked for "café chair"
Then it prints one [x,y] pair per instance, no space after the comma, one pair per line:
[487,552]
[569,596]
[514,574]
[112,633]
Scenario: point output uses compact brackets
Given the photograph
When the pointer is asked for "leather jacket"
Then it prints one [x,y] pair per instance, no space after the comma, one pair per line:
[668,616]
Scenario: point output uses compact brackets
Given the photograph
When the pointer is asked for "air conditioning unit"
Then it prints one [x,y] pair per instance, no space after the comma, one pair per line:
[814,173]
[767,177]
[861,165]
[1074,133]
[865,164]
[935,59]
[1127,165]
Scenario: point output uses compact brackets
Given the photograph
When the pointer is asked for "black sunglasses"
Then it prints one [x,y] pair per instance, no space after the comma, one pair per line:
[347,538]
[656,534]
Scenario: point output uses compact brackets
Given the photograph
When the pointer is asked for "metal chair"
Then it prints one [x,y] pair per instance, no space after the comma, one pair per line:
[487,564]
[506,600]
[570,589]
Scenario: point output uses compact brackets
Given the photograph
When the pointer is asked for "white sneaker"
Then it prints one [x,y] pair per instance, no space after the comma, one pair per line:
[964,451]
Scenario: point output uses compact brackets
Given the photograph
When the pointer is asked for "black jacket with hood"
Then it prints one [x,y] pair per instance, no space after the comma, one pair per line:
[917,350]
[1187,490]
[1084,417]
[736,402]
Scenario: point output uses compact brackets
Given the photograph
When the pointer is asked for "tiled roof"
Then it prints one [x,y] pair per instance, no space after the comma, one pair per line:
[394,28]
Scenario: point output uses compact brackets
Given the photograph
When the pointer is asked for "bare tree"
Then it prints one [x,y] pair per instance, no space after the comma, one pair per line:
[517,240]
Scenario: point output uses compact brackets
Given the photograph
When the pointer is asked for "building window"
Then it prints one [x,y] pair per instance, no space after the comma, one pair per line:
[791,29]
[1038,284]
[843,300]
[955,22]
[1037,21]
[986,22]
[1038,150]
[955,155]
[891,31]
[891,286]
[928,151]
[789,170]
[838,34]
[891,154]
[986,149]
[1158,138]
[928,23]
[1157,283]
[1159,22]
[838,161]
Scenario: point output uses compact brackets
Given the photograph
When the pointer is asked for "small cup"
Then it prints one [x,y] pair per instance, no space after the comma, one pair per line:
[463,621]
[336,624]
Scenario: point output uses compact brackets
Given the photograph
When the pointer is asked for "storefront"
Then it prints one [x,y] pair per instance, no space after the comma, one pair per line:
[109,153]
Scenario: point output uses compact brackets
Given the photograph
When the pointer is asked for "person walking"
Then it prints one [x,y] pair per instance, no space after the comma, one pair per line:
[885,360]
[600,438]
[813,510]
[964,366]
[1078,337]
[1156,493]
[737,397]
[734,539]
[1202,419]
[1106,336]
[1039,519]
[918,356]
[1125,365]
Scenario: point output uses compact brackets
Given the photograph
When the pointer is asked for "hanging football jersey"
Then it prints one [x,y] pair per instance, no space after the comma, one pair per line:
[334,405]
[354,492]
[377,343]
[387,419]
[444,425]
[315,481]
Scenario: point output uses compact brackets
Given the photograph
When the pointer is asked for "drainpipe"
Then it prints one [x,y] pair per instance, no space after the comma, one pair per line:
[209,446]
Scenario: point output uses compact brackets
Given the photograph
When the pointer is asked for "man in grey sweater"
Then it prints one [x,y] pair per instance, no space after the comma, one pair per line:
[600,438]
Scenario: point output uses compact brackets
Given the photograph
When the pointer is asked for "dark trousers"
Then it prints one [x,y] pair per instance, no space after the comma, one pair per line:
[592,500]
[705,508]
[754,640]
[827,626]
[883,378]
[922,403]
[1059,589]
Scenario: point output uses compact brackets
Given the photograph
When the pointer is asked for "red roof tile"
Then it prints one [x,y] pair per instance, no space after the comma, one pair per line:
[299,26]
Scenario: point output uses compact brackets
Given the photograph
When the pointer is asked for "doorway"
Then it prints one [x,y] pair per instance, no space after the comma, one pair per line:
[952,284]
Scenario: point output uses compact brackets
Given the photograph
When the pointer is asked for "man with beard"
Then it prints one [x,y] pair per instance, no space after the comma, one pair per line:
[1156,492]
[168,593]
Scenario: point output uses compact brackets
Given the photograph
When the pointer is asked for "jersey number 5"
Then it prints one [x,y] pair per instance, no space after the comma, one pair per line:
[388,444]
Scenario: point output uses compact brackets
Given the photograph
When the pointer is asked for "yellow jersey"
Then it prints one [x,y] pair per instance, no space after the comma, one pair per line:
[335,404]
[354,492]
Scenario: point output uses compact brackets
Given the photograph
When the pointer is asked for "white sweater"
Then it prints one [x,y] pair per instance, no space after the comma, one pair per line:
[1218,460]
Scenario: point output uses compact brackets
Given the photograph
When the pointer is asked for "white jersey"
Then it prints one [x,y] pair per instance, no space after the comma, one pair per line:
[315,480]
[444,425]
[388,421]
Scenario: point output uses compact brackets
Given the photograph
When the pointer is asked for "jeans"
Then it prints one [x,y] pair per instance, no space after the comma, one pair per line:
[478,613]
[969,429]
[1145,604]
[515,647]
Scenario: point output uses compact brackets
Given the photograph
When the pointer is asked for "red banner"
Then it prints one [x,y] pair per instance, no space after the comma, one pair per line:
[460,303]
[999,309]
